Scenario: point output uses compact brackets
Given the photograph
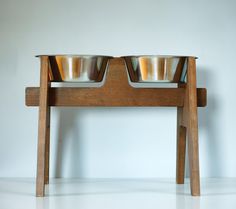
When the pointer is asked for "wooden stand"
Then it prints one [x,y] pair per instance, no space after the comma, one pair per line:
[117,92]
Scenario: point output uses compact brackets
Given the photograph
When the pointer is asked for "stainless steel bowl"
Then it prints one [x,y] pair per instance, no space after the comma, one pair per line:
[156,68]
[77,68]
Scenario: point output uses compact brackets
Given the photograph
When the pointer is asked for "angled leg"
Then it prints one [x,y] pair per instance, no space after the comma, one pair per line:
[42,127]
[192,127]
[47,149]
[181,148]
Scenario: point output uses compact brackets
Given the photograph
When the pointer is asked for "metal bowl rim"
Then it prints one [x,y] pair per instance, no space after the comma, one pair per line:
[74,55]
[158,56]
[112,57]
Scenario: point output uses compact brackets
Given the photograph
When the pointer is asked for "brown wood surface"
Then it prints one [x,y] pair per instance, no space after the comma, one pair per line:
[191,117]
[73,96]
[181,148]
[115,92]
[47,148]
[179,69]
[42,127]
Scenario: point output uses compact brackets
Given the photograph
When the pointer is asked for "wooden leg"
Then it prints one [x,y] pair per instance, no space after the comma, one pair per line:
[42,127]
[192,127]
[47,149]
[181,148]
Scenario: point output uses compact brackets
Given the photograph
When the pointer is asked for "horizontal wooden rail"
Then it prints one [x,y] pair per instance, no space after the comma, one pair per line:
[67,96]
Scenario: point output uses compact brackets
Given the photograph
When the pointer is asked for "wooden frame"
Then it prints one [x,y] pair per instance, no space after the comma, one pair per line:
[117,92]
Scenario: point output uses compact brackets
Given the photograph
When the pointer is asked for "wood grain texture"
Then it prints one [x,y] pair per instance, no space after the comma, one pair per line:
[115,92]
[72,96]
[181,148]
[47,148]
[42,127]
[179,69]
[190,110]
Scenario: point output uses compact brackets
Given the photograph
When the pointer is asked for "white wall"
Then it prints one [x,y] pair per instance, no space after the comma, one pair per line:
[79,149]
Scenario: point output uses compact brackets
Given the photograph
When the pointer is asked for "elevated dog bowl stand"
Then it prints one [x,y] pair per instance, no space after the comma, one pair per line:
[116,92]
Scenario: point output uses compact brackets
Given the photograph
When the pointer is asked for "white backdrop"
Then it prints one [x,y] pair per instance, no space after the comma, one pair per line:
[206,29]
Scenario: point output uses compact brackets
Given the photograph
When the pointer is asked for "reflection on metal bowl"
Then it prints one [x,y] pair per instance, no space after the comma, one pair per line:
[156,68]
[77,68]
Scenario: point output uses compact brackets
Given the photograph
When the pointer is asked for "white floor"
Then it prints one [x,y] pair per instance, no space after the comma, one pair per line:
[117,194]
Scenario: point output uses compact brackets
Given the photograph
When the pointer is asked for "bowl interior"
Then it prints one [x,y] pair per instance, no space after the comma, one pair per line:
[91,68]
[156,68]
[77,68]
